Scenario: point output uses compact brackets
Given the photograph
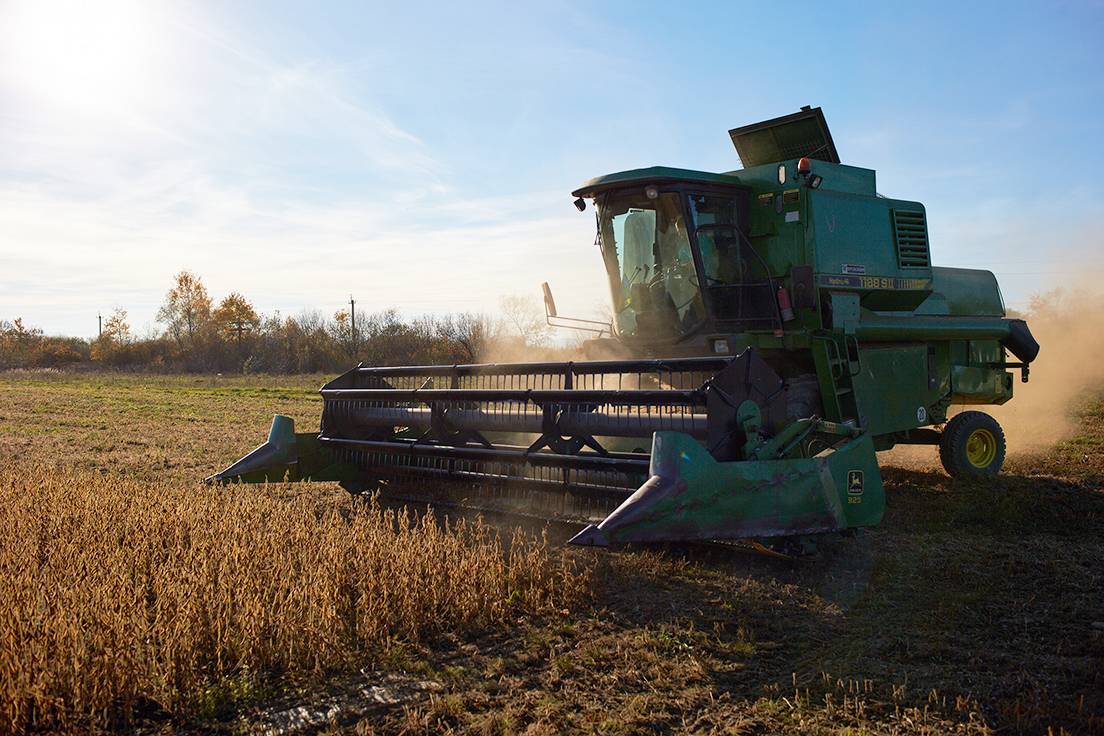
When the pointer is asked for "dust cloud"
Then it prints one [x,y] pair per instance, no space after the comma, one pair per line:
[517,350]
[1069,326]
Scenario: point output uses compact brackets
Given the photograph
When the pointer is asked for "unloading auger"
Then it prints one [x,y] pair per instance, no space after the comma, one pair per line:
[780,323]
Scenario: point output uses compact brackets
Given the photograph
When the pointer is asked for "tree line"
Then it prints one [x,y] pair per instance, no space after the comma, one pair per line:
[201,335]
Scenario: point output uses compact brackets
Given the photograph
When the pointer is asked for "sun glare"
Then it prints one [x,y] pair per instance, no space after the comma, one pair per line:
[85,55]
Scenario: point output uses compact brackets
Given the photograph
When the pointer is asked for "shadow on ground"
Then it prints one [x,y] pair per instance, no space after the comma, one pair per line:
[971,608]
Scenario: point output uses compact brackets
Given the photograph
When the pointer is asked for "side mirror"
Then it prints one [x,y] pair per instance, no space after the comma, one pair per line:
[571,323]
[549,302]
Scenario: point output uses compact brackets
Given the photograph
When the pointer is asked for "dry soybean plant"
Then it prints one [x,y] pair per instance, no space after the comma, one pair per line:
[117,592]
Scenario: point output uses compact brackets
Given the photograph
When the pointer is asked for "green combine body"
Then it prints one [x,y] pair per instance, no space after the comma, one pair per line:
[773,327]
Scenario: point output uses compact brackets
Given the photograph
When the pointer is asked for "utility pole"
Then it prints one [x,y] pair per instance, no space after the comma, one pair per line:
[352,321]
[99,321]
[239,326]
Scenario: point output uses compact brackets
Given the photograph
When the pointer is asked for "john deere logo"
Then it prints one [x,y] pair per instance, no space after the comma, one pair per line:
[854,482]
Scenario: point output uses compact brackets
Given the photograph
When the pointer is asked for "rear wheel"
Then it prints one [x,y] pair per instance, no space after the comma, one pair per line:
[972,445]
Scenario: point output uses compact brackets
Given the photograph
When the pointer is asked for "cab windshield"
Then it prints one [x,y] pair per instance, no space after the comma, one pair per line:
[647,251]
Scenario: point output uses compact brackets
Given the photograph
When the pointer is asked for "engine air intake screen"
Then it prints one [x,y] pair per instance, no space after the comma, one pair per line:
[911,233]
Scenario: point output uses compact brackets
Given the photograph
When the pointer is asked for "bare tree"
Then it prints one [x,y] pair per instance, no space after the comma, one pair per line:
[525,316]
[341,328]
[474,333]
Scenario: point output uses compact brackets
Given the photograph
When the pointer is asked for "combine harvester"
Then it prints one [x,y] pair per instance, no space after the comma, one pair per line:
[774,327]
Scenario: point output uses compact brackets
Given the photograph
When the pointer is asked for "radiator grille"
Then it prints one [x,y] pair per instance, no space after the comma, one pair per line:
[911,231]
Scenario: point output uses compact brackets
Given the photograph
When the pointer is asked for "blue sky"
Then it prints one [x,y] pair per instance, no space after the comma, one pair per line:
[421,156]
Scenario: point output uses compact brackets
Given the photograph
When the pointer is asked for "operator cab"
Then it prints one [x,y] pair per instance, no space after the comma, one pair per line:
[676,248]
[682,256]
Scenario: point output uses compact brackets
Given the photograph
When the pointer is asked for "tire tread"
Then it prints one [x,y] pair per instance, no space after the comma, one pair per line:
[952,445]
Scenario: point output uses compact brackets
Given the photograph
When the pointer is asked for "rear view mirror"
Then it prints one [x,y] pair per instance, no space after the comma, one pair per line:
[549,302]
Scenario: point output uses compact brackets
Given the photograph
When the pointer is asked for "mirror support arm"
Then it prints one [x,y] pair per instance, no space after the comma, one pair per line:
[571,323]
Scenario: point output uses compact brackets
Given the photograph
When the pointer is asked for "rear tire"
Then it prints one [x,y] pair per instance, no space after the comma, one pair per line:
[972,446]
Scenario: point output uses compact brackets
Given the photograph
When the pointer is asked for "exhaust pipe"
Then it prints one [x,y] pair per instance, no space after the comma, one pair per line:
[1020,342]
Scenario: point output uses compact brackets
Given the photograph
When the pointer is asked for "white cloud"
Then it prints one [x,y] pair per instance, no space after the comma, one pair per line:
[99,208]
[124,250]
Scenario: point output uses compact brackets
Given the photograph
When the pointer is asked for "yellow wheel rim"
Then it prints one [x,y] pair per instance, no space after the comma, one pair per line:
[981,448]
